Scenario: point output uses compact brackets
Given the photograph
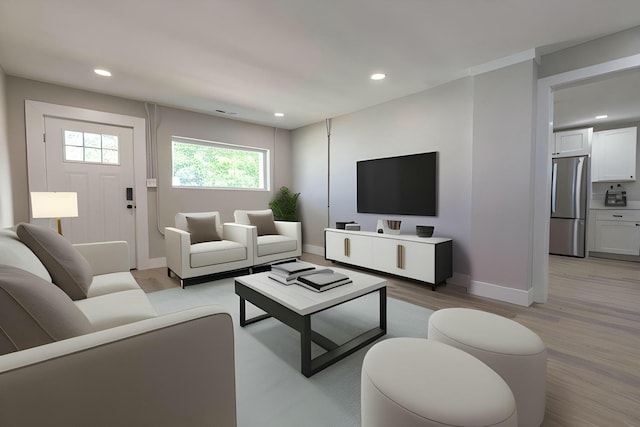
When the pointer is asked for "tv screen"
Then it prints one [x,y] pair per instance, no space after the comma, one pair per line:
[403,185]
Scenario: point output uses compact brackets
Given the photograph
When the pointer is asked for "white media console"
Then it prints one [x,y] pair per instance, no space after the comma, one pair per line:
[427,259]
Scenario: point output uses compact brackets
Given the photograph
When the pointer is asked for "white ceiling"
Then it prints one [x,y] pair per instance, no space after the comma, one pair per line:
[309,59]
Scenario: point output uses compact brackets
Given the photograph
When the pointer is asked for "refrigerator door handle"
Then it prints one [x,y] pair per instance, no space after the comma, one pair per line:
[554,174]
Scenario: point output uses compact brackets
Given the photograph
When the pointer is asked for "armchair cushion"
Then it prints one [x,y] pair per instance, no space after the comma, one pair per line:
[212,253]
[33,312]
[275,244]
[202,229]
[263,221]
[69,270]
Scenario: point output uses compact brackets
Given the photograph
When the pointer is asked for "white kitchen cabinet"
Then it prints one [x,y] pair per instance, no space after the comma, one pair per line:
[427,259]
[575,142]
[617,232]
[613,155]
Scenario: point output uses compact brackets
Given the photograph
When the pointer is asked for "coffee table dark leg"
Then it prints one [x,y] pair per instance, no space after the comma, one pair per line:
[243,314]
[337,352]
[305,346]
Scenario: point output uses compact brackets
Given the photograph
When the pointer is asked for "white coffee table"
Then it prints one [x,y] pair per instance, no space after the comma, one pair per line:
[294,305]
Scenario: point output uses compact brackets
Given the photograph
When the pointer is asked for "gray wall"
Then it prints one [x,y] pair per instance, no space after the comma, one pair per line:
[436,120]
[172,122]
[310,169]
[6,198]
[503,143]
[482,127]
[614,46]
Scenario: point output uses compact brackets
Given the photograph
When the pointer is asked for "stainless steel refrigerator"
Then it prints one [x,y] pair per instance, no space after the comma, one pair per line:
[569,192]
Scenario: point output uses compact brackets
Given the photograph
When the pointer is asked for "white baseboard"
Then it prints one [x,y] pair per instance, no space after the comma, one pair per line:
[312,249]
[501,293]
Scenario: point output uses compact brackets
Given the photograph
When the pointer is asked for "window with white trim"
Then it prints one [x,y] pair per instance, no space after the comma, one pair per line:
[87,147]
[208,164]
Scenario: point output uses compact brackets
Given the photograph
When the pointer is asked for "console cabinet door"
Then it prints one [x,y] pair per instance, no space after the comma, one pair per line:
[349,248]
[405,258]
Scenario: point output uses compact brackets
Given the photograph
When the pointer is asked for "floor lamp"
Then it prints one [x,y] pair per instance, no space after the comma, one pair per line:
[54,204]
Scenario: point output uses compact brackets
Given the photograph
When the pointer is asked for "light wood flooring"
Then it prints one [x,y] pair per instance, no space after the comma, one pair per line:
[591,326]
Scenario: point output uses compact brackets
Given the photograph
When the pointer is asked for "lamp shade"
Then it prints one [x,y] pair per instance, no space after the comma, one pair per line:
[54,204]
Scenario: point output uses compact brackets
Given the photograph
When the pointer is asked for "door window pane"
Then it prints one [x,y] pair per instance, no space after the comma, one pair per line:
[88,147]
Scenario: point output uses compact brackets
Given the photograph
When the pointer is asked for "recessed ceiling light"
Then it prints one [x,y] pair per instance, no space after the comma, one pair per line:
[603,116]
[101,72]
[378,76]
[278,114]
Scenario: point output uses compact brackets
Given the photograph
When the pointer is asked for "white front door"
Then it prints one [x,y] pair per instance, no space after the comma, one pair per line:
[96,161]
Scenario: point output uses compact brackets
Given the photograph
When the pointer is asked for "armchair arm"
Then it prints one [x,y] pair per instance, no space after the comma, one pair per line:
[246,235]
[177,249]
[105,257]
[290,229]
[175,369]
[238,233]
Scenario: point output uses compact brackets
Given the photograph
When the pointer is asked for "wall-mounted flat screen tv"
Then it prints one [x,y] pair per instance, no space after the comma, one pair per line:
[402,185]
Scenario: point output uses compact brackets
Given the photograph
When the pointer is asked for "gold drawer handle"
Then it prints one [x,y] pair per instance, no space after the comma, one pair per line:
[347,247]
[400,256]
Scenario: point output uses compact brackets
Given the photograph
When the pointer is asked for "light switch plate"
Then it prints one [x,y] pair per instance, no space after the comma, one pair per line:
[152,182]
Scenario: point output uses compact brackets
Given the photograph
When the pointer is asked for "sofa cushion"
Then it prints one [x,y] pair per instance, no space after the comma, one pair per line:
[112,282]
[15,253]
[69,270]
[212,253]
[202,229]
[275,244]
[263,221]
[33,312]
[119,308]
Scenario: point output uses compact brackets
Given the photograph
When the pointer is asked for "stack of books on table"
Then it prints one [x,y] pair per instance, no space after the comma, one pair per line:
[307,275]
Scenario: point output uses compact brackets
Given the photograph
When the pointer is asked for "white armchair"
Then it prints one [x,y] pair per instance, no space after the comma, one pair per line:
[283,243]
[191,262]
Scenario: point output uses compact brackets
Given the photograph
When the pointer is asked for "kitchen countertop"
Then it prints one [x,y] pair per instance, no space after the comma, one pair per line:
[599,204]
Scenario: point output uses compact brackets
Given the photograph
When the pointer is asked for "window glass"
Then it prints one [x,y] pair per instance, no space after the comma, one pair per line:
[90,147]
[208,164]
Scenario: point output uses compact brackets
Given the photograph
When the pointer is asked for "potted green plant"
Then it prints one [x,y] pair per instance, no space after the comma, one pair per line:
[284,205]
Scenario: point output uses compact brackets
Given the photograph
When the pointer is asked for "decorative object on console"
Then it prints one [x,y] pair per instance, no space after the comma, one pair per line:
[342,225]
[54,204]
[388,226]
[424,230]
[352,227]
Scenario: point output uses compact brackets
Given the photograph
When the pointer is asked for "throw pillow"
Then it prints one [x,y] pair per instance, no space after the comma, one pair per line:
[69,270]
[33,312]
[202,229]
[263,222]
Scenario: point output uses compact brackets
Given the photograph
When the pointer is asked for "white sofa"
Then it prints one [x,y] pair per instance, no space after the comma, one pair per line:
[193,263]
[133,368]
[285,243]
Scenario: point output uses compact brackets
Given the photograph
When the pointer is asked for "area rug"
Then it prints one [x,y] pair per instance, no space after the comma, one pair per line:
[271,391]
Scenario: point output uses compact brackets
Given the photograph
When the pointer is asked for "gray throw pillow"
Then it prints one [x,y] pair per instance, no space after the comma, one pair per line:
[34,312]
[202,229]
[263,222]
[69,270]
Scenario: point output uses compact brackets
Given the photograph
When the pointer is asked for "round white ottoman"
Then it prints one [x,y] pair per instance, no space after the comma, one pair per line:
[509,348]
[411,382]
